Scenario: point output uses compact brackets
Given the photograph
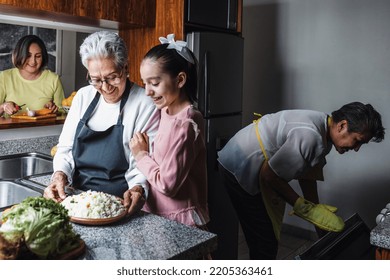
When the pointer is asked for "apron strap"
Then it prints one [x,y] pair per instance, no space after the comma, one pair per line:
[91,107]
[124,100]
[256,122]
[274,205]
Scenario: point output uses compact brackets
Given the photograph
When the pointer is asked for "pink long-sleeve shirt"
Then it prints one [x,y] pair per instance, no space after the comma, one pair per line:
[177,170]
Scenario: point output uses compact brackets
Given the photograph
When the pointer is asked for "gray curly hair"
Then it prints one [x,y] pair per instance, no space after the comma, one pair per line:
[104,44]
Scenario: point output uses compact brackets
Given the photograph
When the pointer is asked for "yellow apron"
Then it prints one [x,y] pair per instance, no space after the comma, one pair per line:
[274,203]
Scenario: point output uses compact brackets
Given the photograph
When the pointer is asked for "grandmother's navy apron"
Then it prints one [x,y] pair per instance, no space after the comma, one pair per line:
[100,162]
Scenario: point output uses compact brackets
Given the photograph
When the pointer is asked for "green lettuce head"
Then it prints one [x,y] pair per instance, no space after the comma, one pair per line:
[44,226]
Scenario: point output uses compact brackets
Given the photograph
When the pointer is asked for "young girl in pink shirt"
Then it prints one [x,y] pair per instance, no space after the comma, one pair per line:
[176,170]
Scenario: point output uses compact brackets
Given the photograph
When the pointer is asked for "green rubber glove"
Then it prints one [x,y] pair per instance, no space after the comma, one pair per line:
[318,214]
[330,207]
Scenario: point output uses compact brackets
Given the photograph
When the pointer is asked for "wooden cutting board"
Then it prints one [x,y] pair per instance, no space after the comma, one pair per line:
[25,117]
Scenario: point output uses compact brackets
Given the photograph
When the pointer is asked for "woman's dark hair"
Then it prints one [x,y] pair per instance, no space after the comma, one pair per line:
[361,118]
[20,52]
[173,63]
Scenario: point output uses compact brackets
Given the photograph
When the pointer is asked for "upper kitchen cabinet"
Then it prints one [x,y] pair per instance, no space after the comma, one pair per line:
[216,15]
[128,13]
[171,16]
[140,22]
[112,14]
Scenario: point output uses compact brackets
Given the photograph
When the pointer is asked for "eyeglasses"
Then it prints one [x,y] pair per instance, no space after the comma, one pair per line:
[112,81]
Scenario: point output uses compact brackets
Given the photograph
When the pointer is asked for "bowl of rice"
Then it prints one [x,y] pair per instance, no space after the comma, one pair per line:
[66,109]
[92,207]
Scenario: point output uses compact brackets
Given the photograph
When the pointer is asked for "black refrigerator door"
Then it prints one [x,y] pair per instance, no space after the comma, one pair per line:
[223,219]
[220,58]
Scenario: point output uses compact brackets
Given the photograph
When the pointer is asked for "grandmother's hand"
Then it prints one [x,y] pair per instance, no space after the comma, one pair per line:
[56,189]
[133,199]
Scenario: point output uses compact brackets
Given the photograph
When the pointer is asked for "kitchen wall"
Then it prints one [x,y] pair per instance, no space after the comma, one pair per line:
[73,72]
[68,61]
[321,54]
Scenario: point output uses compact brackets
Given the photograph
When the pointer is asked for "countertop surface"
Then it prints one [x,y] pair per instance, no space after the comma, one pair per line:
[142,236]
[145,237]
[380,235]
[24,140]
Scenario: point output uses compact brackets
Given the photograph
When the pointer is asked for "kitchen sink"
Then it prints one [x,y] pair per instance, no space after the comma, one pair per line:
[12,193]
[26,164]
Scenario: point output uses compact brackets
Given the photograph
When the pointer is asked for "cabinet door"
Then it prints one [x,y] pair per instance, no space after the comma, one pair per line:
[215,13]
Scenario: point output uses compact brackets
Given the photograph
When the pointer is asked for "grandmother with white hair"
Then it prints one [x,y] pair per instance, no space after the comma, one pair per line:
[93,150]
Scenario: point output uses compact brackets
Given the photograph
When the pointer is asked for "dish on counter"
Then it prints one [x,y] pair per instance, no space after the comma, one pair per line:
[66,109]
[97,222]
[94,208]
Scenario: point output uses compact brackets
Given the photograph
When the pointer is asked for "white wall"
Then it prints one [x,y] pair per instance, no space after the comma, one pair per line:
[68,62]
[321,54]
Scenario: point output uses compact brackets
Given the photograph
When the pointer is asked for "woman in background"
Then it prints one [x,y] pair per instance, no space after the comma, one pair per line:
[176,170]
[30,82]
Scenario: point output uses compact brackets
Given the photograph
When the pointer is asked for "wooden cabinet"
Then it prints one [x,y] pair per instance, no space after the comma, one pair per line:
[99,13]
[382,254]
[127,13]
[170,18]
[140,22]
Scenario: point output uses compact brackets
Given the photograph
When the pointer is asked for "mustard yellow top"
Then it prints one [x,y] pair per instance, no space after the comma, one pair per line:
[34,93]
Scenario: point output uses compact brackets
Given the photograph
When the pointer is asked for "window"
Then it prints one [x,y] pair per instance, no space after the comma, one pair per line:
[11,33]
[62,40]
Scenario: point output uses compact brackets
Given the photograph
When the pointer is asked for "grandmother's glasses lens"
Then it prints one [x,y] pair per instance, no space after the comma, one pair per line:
[110,81]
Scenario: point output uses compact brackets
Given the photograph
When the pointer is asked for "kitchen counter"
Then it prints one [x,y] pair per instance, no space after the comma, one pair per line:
[380,235]
[23,140]
[145,237]
[142,236]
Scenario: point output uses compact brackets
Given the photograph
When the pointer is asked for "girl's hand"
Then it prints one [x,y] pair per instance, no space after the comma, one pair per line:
[139,145]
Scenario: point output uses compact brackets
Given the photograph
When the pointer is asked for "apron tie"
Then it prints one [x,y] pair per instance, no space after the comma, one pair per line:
[256,122]
[274,204]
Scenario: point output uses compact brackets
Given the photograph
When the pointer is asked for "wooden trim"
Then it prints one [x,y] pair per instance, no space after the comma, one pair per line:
[169,18]
[112,14]
[239,16]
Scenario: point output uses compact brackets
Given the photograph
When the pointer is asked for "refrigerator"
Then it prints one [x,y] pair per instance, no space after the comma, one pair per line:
[220,87]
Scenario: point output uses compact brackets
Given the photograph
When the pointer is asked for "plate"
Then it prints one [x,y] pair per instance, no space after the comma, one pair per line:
[66,109]
[97,222]
[74,253]
[26,254]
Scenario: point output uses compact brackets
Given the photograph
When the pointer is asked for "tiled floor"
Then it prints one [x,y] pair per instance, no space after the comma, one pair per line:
[292,243]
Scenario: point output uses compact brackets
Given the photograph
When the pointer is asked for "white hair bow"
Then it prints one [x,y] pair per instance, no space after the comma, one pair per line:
[179,46]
